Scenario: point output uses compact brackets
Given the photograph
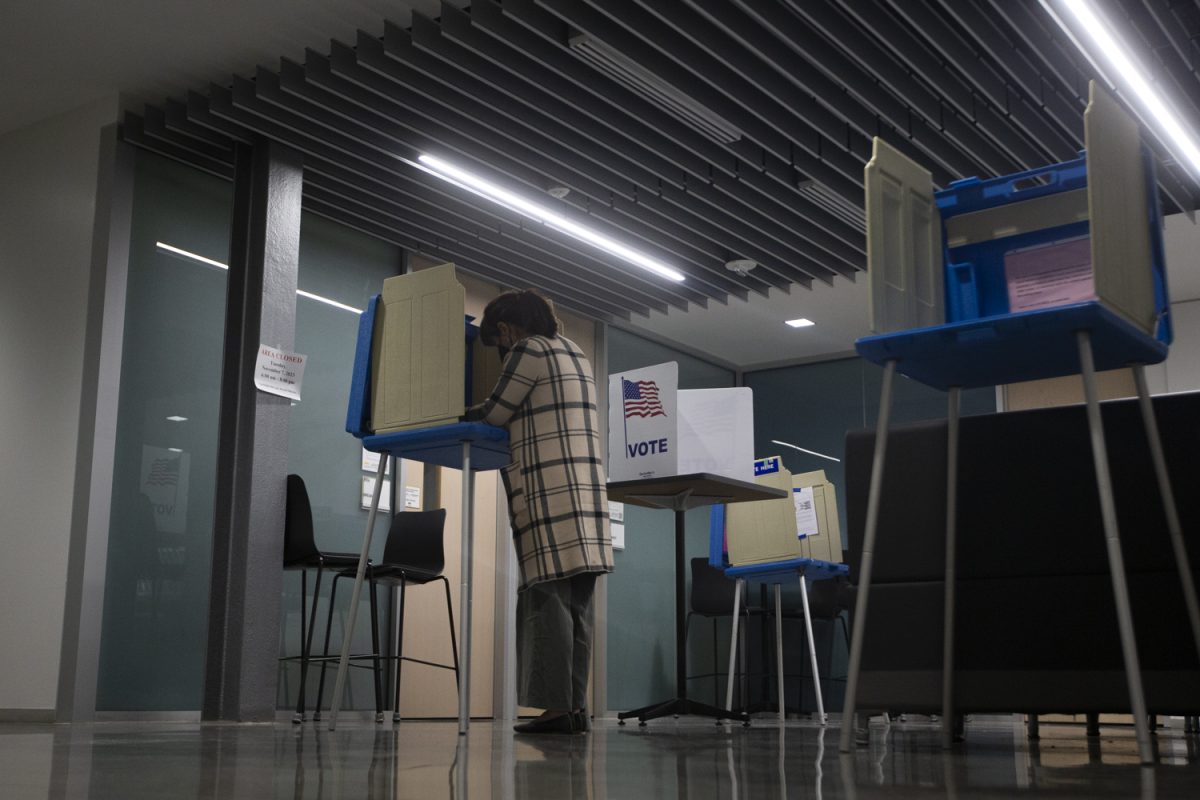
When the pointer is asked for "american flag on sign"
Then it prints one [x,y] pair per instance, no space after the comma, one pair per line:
[641,399]
[163,472]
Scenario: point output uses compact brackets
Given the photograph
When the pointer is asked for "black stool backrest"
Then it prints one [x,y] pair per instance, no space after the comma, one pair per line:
[712,592]
[299,544]
[829,598]
[415,540]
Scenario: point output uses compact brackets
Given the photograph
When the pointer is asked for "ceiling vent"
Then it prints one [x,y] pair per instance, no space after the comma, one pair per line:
[634,76]
[834,203]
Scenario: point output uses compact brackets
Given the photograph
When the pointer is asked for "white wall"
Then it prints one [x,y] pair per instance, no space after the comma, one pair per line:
[47,203]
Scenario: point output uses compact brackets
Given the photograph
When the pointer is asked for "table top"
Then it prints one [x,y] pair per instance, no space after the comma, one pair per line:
[1009,348]
[442,445]
[681,492]
[780,571]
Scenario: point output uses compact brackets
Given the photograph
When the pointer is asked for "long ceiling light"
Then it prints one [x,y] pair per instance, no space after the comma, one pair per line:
[633,75]
[1121,60]
[178,251]
[480,186]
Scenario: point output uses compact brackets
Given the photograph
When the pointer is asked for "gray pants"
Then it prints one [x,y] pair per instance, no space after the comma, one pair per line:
[554,642]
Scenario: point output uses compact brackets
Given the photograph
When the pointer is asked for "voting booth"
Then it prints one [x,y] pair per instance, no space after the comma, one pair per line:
[656,430]
[428,361]
[985,281]
[1053,271]
[803,525]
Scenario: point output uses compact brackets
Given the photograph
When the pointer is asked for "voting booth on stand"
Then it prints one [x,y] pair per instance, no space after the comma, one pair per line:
[418,364]
[1054,271]
[772,541]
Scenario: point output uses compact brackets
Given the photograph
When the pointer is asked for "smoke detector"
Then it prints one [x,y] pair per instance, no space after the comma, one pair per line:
[557,191]
[741,266]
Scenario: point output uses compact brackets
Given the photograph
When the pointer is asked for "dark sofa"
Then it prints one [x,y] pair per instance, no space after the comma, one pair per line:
[1036,622]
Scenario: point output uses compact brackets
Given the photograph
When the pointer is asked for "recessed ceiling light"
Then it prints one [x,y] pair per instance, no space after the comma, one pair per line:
[176,418]
[558,192]
[800,323]
[175,449]
[467,180]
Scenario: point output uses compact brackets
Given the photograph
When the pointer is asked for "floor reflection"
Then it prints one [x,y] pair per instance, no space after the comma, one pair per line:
[686,759]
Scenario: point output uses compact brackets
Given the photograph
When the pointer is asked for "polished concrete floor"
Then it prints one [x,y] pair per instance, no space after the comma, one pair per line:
[688,759]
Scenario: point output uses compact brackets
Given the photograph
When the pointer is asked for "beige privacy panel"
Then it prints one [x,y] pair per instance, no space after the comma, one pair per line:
[1119,209]
[763,530]
[826,544]
[419,351]
[904,243]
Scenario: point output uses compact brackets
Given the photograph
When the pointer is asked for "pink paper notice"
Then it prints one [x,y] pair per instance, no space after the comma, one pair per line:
[1049,275]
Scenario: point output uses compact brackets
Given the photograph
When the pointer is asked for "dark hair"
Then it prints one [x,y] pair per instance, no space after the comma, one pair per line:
[527,309]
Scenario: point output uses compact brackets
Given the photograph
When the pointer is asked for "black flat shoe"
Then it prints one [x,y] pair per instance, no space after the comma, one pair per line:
[580,721]
[563,723]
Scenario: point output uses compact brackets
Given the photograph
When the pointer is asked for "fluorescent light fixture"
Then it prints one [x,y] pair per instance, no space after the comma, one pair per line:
[485,188]
[1120,58]
[623,69]
[800,323]
[208,261]
[175,449]
[823,197]
[184,253]
[176,418]
[802,450]
[327,301]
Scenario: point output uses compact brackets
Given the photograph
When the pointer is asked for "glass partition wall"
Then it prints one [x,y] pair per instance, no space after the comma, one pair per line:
[155,618]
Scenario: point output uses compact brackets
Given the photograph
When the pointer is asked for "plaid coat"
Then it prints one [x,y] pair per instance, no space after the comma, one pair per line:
[546,399]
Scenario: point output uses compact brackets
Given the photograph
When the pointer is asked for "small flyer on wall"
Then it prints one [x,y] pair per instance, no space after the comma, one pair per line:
[368,492]
[616,517]
[370,463]
[279,372]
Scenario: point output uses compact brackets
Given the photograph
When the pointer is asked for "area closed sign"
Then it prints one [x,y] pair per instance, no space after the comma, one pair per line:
[279,372]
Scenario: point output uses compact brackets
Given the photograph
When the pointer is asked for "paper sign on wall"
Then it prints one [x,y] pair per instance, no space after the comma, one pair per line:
[616,518]
[370,463]
[279,372]
[368,492]
[412,497]
[642,427]
[618,535]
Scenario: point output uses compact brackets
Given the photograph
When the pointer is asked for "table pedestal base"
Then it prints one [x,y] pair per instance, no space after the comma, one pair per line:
[679,706]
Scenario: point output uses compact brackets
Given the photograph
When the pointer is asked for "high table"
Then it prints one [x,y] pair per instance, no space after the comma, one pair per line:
[471,447]
[680,493]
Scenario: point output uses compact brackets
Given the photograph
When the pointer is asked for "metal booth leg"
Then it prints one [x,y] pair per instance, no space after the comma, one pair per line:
[733,643]
[464,603]
[868,556]
[951,565]
[779,652]
[1168,497]
[339,685]
[812,650]
[1116,562]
